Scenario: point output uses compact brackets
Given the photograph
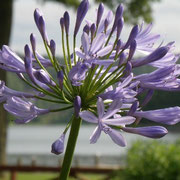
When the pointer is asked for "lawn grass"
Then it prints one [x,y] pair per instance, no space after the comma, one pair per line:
[52,176]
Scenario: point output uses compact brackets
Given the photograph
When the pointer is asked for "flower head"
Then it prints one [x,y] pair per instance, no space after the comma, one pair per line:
[97,78]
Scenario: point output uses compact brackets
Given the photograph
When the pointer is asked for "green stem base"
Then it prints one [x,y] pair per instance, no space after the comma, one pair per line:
[66,166]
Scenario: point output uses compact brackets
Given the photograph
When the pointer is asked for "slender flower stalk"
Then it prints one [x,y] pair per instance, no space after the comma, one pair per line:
[97,79]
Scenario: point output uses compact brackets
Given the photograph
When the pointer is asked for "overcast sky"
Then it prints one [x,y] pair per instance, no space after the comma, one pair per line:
[166,22]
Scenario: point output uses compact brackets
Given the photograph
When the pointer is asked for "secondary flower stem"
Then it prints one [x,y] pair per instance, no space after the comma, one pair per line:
[76,123]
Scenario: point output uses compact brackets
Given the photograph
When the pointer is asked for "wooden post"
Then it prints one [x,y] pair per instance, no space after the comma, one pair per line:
[5,24]
[13,175]
[97,160]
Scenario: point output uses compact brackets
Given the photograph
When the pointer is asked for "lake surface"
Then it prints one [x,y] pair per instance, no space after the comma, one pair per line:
[27,139]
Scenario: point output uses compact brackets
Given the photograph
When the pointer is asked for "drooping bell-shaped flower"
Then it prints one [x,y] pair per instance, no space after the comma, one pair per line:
[168,116]
[6,93]
[150,131]
[24,110]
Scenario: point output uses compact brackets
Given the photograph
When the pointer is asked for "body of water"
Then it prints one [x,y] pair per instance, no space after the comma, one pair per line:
[26,139]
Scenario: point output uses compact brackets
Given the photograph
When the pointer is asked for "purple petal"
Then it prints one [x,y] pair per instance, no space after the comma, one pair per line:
[154,56]
[100,108]
[133,108]
[104,51]
[102,62]
[95,136]
[120,121]
[80,54]
[148,97]
[10,61]
[88,116]
[168,116]
[85,42]
[151,131]
[117,137]
[132,36]
[97,43]
[126,81]
[113,109]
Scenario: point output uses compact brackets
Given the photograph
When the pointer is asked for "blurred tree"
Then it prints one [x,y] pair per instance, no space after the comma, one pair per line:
[134,10]
[5,24]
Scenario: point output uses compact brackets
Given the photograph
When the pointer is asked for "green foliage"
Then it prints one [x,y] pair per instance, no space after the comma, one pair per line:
[134,10]
[151,161]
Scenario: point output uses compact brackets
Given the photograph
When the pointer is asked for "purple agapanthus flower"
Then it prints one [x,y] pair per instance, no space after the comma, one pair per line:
[105,120]
[78,73]
[145,39]
[24,110]
[6,92]
[161,79]
[97,79]
[93,52]
[10,61]
[168,116]
[123,91]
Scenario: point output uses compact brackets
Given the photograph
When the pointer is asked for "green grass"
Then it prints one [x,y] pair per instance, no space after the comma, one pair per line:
[51,176]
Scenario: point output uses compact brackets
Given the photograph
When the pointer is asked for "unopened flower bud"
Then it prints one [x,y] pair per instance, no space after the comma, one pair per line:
[132,50]
[118,46]
[148,97]
[133,108]
[66,22]
[86,29]
[81,12]
[42,29]
[77,105]
[99,13]
[27,51]
[62,24]
[53,47]
[120,24]
[132,36]
[93,29]
[58,146]
[122,59]
[60,76]
[118,15]
[33,42]
[37,14]
[43,77]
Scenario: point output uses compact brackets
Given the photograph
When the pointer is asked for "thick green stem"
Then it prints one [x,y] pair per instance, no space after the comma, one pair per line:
[76,123]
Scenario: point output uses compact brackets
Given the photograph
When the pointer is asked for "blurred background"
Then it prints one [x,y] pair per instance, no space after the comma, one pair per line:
[25,143]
